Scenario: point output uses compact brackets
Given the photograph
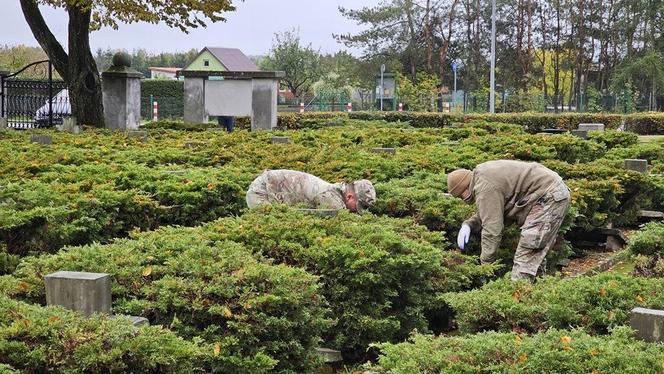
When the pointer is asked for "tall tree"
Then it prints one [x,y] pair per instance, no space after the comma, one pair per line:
[302,64]
[77,66]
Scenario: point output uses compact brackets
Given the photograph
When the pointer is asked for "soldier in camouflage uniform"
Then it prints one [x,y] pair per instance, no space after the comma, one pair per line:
[298,188]
[529,194]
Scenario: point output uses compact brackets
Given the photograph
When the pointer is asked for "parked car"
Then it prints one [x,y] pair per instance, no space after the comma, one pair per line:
[61,109]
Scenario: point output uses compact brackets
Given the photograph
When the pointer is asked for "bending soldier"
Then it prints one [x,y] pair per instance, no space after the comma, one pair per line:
[529,194]
[298,188]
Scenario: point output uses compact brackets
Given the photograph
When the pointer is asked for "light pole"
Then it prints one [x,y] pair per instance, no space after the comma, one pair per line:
[492,96]
[382,85]
[455,66]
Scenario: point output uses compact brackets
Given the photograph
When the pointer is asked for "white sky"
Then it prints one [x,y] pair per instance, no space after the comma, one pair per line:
[250,28]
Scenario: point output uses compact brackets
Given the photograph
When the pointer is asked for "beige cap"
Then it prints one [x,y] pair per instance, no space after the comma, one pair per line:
[458,181]
[365,192]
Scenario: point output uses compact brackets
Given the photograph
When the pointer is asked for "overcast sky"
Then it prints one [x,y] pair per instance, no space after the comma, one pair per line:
[250,28]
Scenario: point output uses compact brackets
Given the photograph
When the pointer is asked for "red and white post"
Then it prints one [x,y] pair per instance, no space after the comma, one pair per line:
[401,107]
[155,111]
[349,107]
[301,107]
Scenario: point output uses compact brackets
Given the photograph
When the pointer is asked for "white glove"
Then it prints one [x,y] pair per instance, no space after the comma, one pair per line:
[464,236]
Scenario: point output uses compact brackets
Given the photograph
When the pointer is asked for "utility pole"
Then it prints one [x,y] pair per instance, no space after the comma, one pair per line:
[492,95]
[382,85]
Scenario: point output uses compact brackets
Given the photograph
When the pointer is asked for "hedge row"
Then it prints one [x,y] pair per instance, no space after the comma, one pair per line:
[376,278]
[35,339]
[592,303]
[100,185]
[648,249]
[554,351]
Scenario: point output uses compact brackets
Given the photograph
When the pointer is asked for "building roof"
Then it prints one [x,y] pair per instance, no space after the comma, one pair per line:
[164,70]
[233,59]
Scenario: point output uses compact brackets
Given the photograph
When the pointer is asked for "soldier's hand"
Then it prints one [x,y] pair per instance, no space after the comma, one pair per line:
[463,237]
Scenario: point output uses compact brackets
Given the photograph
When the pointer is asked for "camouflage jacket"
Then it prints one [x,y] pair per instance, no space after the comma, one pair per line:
[298,188]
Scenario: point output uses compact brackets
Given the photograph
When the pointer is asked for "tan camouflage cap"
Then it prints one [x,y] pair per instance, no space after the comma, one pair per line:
[365,192]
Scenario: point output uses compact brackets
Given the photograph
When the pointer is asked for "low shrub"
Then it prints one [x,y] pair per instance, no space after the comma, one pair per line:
[612,138]
[35,339]
[554,351]
[259,315]
[592,303]
[380,275]
[647,247]
[645,123]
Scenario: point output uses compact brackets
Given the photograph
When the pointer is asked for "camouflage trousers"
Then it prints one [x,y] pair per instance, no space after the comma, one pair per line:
[539,231]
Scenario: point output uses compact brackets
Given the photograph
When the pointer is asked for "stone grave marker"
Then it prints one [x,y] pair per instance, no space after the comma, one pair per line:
[192,144]
[3,123]
[87,293]
[329,356]
[648,324]
[553,131]
[583,134]
[591,126]
[41,139]
[69,125]
[281,140]
[142,136]
[390,151]
[637,165]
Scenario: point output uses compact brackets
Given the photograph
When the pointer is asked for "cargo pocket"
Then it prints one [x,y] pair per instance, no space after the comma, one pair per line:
[560,193]
[534,237]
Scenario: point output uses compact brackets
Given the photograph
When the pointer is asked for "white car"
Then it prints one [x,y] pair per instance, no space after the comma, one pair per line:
[60,106]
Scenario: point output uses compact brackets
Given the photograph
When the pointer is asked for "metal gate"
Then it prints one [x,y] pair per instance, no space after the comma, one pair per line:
[30,98]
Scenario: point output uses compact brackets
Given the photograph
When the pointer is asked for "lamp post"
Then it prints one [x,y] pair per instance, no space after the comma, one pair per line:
[382,85]
[492,96]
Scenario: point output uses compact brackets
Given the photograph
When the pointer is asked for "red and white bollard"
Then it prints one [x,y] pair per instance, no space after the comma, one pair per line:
[349,107]
[401,107]
[155,111]
[301,107]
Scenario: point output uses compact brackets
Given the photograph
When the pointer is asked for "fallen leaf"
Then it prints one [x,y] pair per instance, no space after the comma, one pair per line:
[227,312]
[565,339]
[602,292]
[147,271]
[217,349]
[53,319]
[639,299]
[523,358]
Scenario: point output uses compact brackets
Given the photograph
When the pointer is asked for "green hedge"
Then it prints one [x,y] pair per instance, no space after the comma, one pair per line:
[648,250]
[35,339]
[592,303]
[554,351]
[262,316]
[168,93]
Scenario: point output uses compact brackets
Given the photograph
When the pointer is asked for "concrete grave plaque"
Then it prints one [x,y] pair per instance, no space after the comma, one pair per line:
[637,165]
[142,136]
[3,123]
[648,323]
[41,139]
[329,355]
[591,126]
[87,293]
[583,134]
[281,140]
[391,151]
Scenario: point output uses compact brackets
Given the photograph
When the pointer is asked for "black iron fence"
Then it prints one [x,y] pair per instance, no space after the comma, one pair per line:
[33,102]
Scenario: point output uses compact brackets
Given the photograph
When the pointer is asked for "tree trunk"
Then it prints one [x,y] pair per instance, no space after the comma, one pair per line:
[78,68]
[84,83]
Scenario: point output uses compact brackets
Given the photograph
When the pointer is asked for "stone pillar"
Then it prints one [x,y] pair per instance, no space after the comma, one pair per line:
[121,88]
[194,100]
[87,293]
[264,104]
